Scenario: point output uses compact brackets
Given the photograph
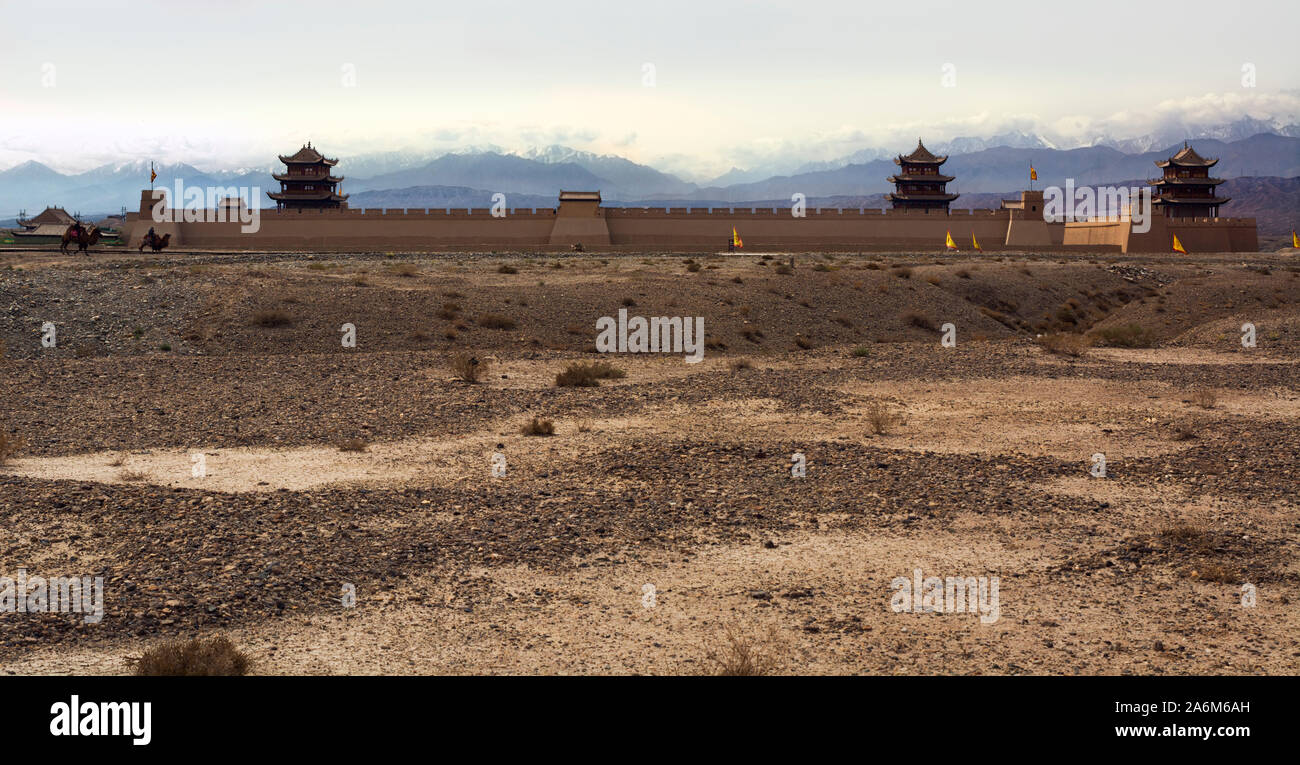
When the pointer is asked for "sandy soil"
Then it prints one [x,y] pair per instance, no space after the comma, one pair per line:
[677,476]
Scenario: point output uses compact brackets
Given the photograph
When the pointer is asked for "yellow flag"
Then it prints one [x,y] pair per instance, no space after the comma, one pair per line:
[152,175]
[1033,174]
[735,238]
[1178,246]
[974,242]
[951,244]
[1295,241]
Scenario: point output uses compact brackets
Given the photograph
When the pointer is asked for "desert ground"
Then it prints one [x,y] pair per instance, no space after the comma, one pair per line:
[369,469]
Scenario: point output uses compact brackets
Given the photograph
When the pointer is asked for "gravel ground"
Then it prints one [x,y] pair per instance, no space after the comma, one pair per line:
[677,474]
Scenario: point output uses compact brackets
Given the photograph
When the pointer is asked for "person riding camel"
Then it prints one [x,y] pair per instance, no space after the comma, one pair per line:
[150,237]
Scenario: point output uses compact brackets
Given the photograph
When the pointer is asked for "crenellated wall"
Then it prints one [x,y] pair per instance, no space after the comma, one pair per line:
[698,228]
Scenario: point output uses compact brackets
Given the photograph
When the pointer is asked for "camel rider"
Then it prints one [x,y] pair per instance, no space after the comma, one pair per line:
[149,237]
[76,229]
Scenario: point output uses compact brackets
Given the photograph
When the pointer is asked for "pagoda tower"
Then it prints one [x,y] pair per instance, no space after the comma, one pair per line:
[1187,190]
[306,183]
[918,184]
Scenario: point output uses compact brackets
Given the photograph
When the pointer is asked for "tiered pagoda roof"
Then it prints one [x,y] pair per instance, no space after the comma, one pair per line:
[308,182]
[1186,189]
[920,156]
[920,185]
[1187,157]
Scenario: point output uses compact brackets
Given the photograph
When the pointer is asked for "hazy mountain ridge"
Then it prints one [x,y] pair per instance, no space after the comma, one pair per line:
[542,173]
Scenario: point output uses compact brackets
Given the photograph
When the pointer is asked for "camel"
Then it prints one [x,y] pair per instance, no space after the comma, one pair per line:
[155,241]
[84,239]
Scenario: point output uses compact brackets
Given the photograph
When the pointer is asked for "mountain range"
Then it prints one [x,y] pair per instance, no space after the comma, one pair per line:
[533,178]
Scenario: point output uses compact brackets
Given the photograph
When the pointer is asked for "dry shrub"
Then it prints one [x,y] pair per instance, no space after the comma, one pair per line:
[739,653]
[507,269]
[587,374]
[9,446]
[933,280]
[963,274]
[879,418]
[902,272]
[740,364]
[538,427]
[272,318]
[784,270]
[1186,535]
[467,366]
[693,267]
[133,476]
[496,321]
[802,342]
[1213,572]
[213,657]
[405,269]
[351,445]
[1126,336]
[1064,344]
[1205,398]
[917,319]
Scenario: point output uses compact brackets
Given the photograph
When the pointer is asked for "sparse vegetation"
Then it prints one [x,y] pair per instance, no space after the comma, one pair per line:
[739,364]
[496,321]
[210,657]
[1064,344]
[538,427]
[587,374]
[861,351]
[132,476]
[9,446]
[739,653]
[351,445]
[802,342]
[1205,398]
[1188,536]
[902,272]
[917,319]
[467,366]
[506,268]
[783,269]
[879,418]
[1125,336]
[272,318]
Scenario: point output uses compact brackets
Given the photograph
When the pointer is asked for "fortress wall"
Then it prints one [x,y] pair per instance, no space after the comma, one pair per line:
[358,230]
[763,228]
[1195,234]
[695,229]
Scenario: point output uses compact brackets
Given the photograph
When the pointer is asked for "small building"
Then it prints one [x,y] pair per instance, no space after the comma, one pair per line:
[1187,190]
[48,217]
[307,182]
[919,185]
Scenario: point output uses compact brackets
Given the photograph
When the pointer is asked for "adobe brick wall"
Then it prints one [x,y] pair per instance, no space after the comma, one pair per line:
[696,229]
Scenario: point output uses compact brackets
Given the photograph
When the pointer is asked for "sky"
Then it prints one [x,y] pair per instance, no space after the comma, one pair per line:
[691,87]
